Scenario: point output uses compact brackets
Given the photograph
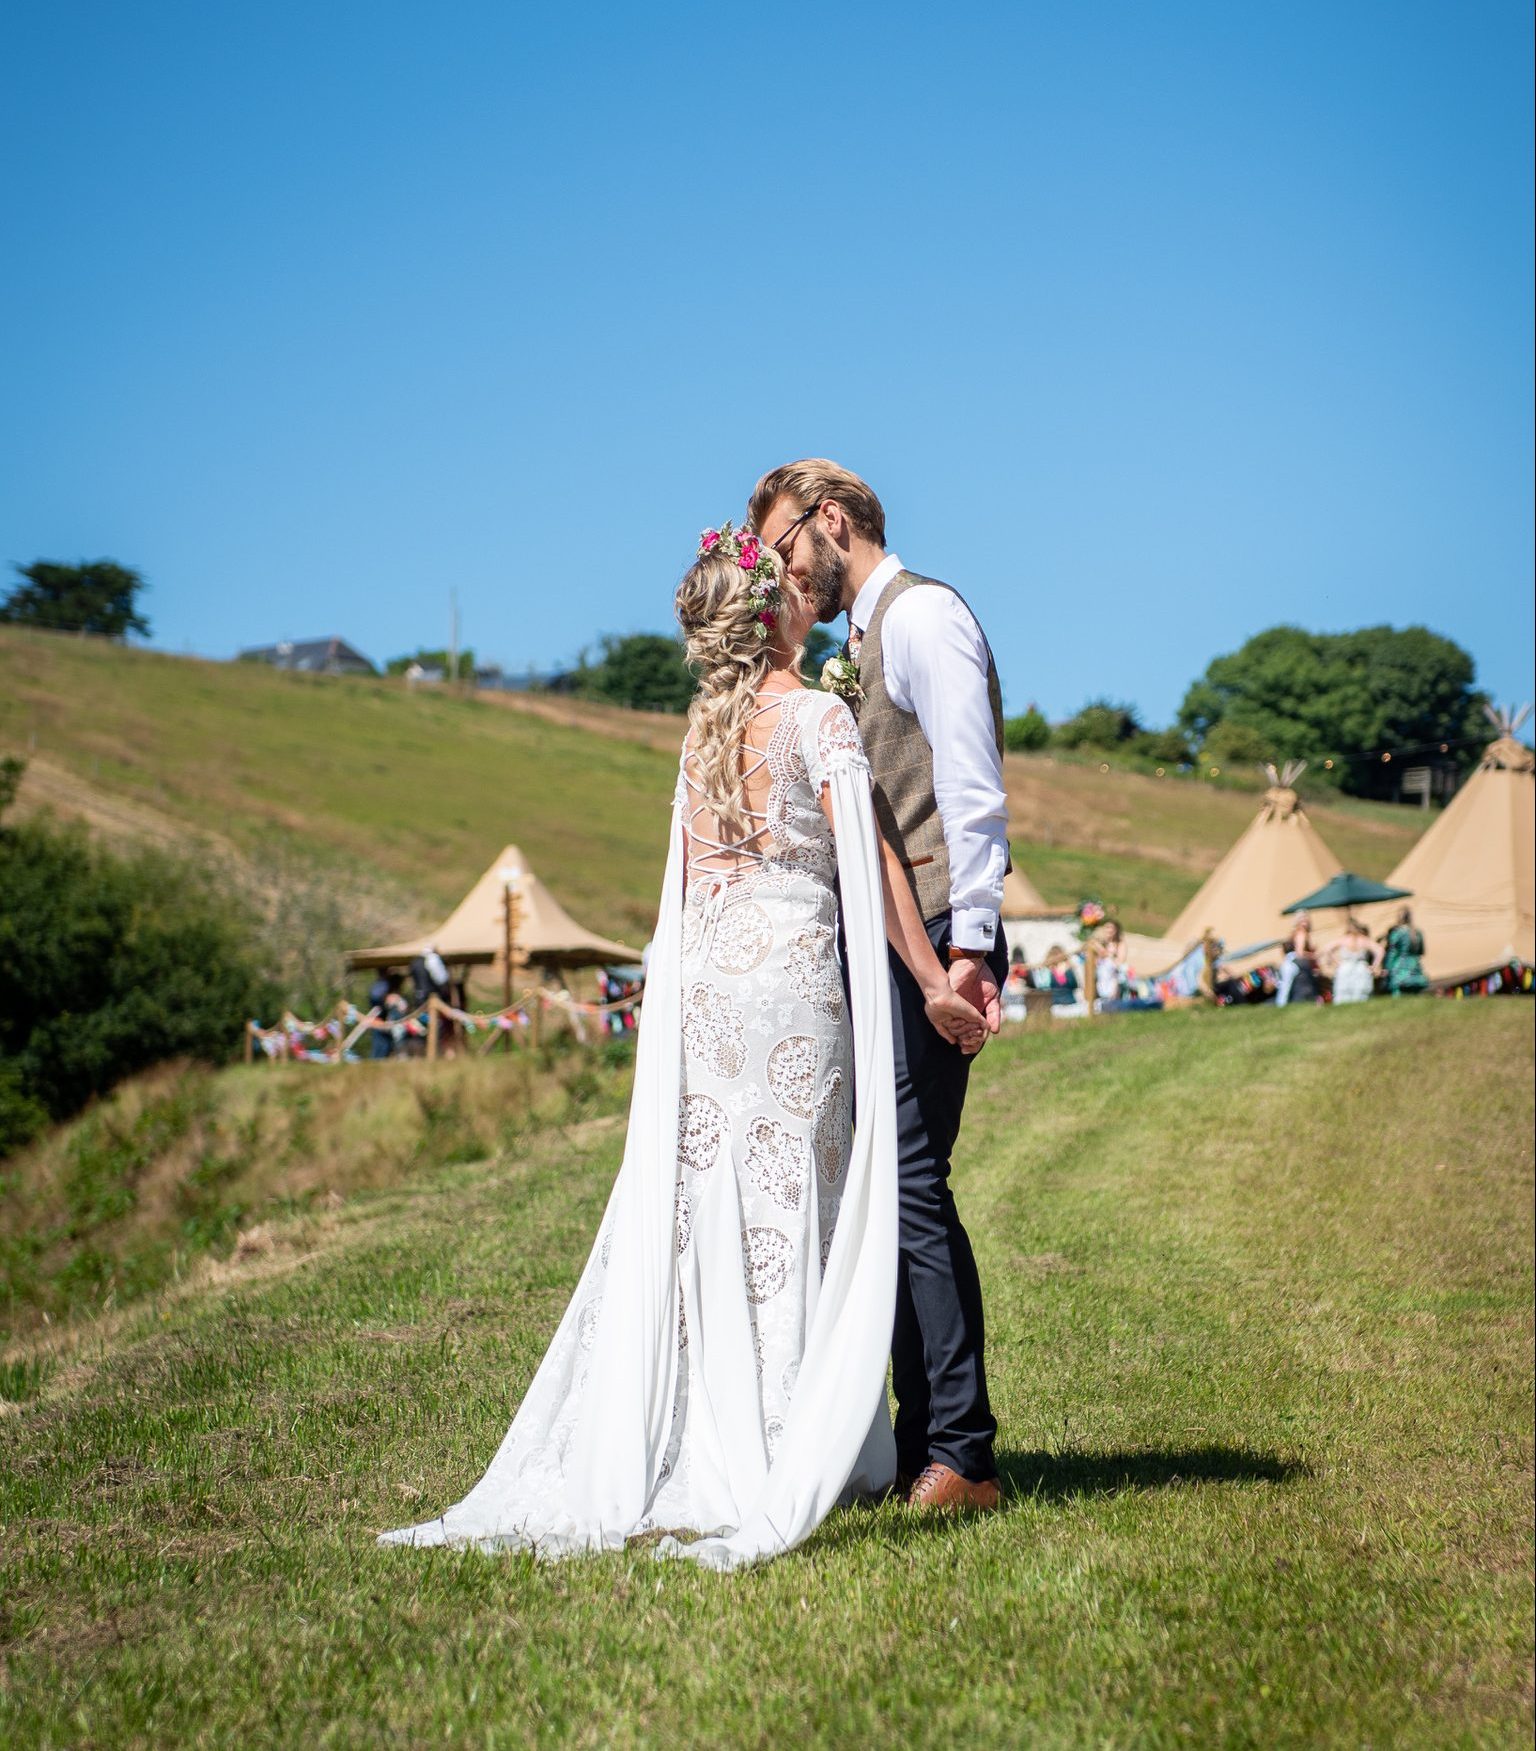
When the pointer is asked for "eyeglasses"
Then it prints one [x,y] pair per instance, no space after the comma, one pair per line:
[789,534]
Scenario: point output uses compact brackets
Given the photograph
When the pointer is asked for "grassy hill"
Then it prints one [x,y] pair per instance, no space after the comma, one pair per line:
[1259,1301]
[366,810]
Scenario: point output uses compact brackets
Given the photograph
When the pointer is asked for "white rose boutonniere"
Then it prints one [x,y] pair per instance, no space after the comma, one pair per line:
[840,675]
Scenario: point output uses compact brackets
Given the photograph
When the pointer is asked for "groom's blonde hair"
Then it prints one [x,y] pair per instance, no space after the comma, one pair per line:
[814,481]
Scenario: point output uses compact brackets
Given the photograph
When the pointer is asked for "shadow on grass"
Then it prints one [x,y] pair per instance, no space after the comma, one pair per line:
[1062,1477]
[1059,1476]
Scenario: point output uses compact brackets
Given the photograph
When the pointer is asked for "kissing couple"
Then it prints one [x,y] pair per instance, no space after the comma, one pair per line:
[826,963]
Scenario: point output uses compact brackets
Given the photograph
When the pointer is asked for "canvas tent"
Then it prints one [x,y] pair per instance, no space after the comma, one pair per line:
[1021,898]
[1471,875]
[1029,924]
[474,933]
[1279,855]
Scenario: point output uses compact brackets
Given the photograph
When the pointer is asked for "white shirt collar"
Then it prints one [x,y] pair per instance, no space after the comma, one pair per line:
[863,608]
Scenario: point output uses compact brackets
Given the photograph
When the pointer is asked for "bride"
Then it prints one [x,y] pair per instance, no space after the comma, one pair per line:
[720,1369]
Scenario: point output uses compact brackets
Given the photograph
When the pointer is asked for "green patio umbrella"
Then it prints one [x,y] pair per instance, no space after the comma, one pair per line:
[1347,890]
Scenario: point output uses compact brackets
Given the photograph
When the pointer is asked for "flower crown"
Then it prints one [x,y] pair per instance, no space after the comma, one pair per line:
[752,557]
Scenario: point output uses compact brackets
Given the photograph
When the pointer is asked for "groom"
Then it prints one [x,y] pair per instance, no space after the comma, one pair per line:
[931,721]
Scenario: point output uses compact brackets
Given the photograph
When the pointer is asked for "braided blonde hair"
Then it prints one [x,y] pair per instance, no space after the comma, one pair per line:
[729,656]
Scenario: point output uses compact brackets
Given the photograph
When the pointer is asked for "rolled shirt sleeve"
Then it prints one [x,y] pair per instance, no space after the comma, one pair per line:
[935,666]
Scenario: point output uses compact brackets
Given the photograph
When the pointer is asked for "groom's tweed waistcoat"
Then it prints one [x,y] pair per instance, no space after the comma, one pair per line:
[902,761]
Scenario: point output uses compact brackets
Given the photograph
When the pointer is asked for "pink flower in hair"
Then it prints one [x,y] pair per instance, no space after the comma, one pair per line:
[769,618]
[710,538]
[750,554]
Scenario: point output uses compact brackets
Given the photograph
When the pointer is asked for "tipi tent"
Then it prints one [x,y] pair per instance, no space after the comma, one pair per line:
[1280,855]
[1471,875]
[1021,898]
[475,932]
[1031,926]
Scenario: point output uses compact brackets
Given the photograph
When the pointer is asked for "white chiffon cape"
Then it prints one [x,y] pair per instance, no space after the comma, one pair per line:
[582,1460]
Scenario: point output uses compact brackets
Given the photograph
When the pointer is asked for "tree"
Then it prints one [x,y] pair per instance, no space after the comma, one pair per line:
[819,645]
[12,771]
[1347,696]
[1165,747]
[433,660]
[1100,724]
[1234,747]
[644,671]
[108,964]
[93,597]
[1026,733]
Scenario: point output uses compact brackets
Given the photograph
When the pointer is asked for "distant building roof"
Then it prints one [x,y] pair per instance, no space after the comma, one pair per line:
[319,656]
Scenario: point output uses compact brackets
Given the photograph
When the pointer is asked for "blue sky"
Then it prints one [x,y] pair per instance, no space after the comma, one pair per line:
[1152,326]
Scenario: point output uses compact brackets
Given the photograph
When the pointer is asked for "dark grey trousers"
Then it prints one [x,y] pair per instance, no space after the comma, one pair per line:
[938,1371]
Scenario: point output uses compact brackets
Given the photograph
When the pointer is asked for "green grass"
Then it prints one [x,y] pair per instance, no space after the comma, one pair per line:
[1259,1300]
[359,776]
[184,1162]
[394,802]
[1147,893]
[1059,803]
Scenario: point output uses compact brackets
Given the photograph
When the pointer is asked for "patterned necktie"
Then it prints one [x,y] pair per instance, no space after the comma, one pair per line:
[855,639]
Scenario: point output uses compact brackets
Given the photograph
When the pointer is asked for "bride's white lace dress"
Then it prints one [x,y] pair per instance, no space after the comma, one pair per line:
[721,1366]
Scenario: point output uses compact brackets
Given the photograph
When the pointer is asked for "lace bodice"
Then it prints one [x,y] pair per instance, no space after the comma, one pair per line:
[787,831]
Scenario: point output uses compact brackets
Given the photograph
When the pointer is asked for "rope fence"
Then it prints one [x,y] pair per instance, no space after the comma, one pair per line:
[1068,986]
[333,1040]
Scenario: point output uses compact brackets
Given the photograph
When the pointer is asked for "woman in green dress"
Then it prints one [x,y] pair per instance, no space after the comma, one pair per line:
[1402,964]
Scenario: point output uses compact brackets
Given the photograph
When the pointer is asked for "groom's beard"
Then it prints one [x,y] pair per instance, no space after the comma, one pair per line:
[825,578]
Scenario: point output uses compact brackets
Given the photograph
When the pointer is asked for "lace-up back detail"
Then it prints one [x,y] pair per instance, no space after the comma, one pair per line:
[792,741]
[709,852]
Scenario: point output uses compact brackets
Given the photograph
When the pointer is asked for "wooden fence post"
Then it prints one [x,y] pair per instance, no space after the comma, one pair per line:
[1208,980]
[250,1043]
[432,1007]
[1091,976]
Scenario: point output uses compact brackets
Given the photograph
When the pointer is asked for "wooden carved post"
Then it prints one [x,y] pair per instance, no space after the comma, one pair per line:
[250,1042]
[433,1003]
[1208,977]
[1091,975]
[508,933]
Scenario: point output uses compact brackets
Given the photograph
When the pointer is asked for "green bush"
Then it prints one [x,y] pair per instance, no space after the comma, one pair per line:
[1163,747]
[1234,745]
[1026,733]
[108,964]
[644,671]
[1100,724]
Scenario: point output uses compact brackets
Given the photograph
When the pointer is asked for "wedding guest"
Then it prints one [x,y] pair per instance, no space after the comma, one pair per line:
[1014,988]
[1354,961]
[1112,969]
[391,1006]
[1114,977]
[1298,981]
[1061,976]
[1402,962]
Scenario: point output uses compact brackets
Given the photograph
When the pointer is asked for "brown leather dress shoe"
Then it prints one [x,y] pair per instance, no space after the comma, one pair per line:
[939,1488]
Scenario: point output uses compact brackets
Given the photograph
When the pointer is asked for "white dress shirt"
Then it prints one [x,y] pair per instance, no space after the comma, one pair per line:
[934,664]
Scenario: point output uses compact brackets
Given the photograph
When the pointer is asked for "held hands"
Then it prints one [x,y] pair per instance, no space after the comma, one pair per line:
[966,1007]
[973,981]
[957,1020]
